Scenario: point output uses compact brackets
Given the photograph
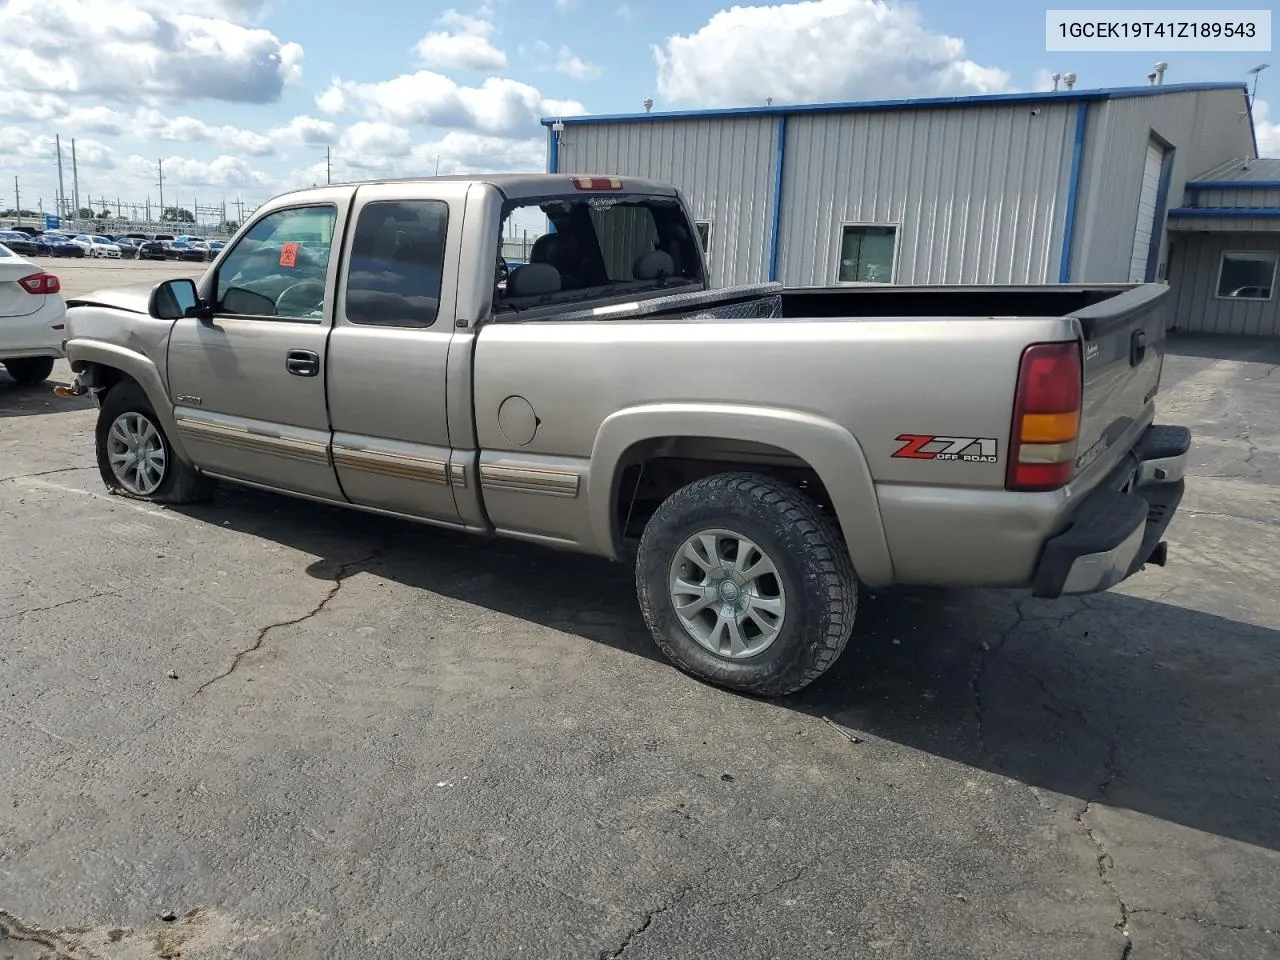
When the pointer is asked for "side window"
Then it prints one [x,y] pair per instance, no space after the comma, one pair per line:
[278,268]
[866,254]
[397,263]
[704,233]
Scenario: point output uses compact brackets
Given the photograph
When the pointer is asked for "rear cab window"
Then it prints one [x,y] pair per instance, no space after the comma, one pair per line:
[597,247]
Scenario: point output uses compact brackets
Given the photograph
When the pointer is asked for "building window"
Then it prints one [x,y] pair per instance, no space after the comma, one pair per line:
[704,233]
[866,253]
[1247,275]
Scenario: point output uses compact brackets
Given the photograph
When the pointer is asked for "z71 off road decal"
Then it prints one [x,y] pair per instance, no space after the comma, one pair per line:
[919,446]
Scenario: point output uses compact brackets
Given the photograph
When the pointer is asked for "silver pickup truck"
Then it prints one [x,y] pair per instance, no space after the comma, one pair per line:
[756,452]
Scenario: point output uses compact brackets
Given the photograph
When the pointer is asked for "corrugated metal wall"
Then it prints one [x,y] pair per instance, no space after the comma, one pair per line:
[1247,199]
[1194,284]
[978,194]
[723,166]
[1205,129]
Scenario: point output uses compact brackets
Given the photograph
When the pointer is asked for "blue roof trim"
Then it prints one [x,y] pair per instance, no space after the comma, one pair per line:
[1073,193]
[775,228]
[1220,213]
[1233,184]
[1068,96]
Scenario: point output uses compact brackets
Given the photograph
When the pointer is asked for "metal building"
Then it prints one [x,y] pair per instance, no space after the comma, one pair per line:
[1011,188]
[1225,249]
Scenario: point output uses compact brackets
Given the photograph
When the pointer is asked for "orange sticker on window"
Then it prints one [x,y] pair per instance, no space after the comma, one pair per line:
[289,254]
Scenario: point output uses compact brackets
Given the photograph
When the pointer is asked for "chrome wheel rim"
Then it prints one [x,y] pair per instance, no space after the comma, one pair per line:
[727,593]
[136,453]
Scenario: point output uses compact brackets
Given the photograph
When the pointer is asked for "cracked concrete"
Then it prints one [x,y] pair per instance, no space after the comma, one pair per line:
[420,744]
[262,634]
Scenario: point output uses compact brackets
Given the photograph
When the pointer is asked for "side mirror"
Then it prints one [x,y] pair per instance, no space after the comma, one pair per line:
[176,299]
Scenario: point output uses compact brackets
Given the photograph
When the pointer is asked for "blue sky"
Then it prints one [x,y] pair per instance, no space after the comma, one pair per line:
[241,97]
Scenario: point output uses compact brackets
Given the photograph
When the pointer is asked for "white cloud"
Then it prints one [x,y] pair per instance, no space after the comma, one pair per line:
[375,141]
[1268,132]
[1043,81]
[463,44]
[568,63]
[817,50]
[154,125]
[223,171]
[18,144]
[129,50]
[305,131]
[498,106]
[626,13]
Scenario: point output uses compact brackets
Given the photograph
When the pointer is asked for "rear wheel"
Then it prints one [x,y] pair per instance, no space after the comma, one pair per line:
[746,584]
[134,455]
[30,370]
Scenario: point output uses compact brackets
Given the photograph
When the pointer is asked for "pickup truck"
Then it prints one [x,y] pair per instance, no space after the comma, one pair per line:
[757,453]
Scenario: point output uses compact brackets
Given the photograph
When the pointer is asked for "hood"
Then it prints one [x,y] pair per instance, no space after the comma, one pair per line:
[132,298]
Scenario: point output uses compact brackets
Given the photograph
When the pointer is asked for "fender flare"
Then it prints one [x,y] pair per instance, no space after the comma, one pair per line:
[83,355]
[832,451]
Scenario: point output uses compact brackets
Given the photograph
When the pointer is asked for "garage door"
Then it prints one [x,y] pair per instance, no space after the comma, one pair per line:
[1147,201]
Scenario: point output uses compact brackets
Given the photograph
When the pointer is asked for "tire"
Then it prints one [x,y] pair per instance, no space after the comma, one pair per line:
[811,574]
[29,371]
[178,482]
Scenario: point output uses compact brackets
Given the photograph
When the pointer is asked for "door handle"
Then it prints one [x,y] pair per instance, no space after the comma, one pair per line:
[302,363]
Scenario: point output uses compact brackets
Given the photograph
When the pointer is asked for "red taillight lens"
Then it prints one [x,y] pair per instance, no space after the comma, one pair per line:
[40,283]
[1046,417]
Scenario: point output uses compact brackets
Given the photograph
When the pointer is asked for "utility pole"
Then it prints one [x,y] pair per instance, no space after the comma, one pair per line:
[160,164]
[17,201]
[328,167]
[75,177]
[62,190]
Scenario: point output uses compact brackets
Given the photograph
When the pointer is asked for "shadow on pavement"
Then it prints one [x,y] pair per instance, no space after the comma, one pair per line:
[17,400]
[1162,710]
[1244,349]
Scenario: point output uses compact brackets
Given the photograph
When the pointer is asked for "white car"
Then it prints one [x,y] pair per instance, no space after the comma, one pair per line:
[94,246]
[33,318]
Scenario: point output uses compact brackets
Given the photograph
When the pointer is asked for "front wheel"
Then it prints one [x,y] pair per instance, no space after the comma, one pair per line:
[134,455]
[746,584]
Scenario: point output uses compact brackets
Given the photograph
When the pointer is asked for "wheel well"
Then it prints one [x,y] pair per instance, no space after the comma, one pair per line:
[652,470]
[100,378]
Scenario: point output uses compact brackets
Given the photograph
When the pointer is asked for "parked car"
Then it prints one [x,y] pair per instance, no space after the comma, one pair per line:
[190,250]
[760,452]
[60,245]
[32,318]
[20,243]
[152,250]
[96,246]
[128,247]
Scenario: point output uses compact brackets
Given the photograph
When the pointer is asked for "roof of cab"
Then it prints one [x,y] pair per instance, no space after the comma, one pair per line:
[516,186]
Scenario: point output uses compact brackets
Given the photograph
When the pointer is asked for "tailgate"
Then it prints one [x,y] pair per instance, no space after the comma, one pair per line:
[1123,348]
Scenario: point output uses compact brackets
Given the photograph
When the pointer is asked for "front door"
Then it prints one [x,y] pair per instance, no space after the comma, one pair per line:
[249,384]
[390,347]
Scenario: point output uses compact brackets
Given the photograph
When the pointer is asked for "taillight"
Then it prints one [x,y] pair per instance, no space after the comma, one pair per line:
[597,183]
[1046,417]
[41,283]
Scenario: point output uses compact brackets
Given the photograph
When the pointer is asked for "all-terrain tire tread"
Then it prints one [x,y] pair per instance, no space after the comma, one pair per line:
[827,561]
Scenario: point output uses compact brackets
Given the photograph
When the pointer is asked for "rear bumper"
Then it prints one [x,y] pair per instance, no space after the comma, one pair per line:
[37,334]
[1118,528]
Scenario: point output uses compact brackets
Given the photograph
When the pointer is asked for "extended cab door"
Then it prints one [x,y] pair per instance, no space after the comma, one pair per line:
[248,384]
[390,348]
